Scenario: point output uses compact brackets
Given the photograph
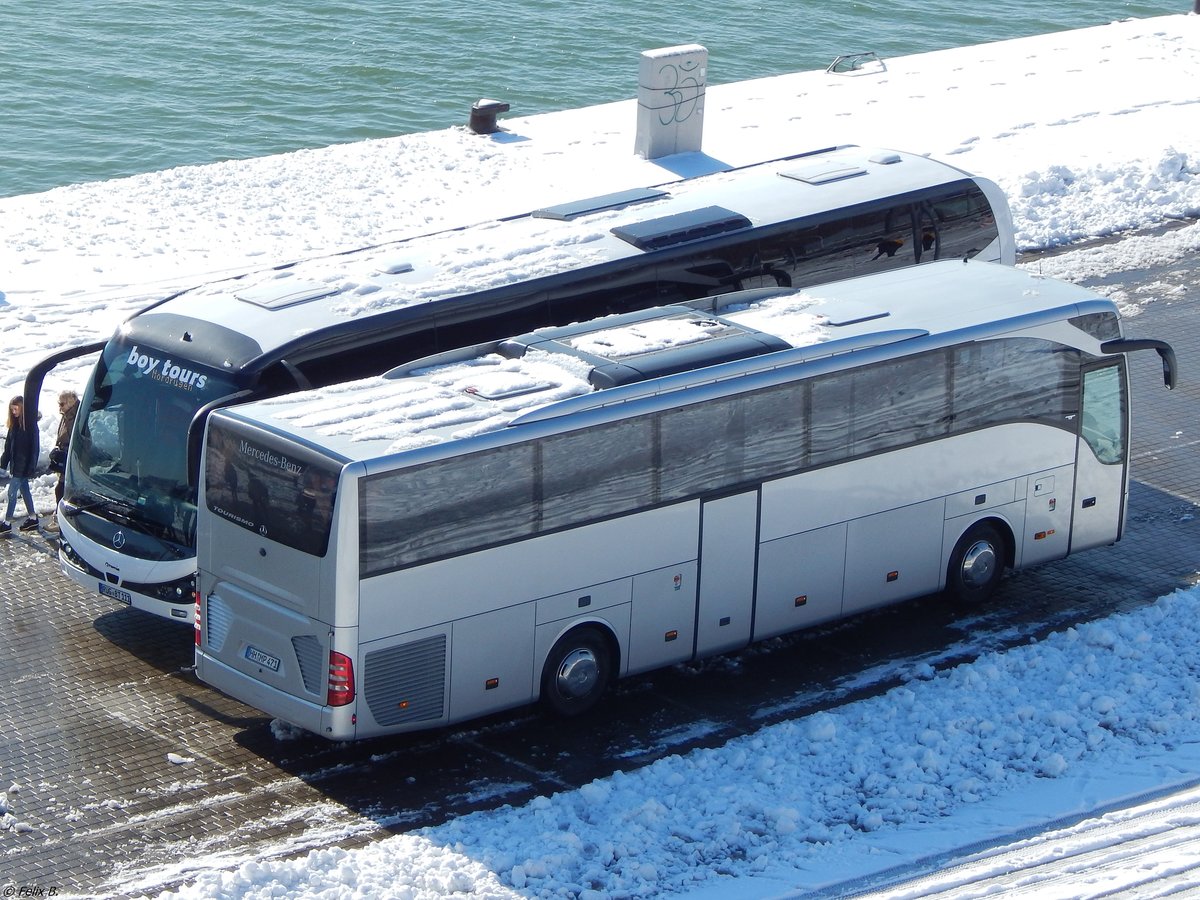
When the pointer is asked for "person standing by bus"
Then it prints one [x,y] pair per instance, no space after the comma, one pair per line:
[68,407]
[20,458]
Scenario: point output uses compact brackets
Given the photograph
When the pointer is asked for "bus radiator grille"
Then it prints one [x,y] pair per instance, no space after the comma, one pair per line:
[217,620]
[407,683]
[309,655]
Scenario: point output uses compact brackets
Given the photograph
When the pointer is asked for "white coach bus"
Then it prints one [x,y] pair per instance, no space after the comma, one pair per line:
[534,517]
[128,514]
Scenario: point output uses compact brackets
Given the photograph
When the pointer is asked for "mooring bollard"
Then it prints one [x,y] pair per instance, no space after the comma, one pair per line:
[484,112]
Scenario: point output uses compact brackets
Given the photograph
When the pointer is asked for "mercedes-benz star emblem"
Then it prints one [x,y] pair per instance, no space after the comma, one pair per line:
[119,539]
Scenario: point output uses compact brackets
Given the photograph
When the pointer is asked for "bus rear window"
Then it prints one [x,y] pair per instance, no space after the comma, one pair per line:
[279,490]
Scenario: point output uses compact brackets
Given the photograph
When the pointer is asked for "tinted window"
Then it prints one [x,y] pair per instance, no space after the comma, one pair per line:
[482,499]
[1015,380]
[956,226]
[282,491]
[596,472]
[900,402]
[703,444]
[441,508]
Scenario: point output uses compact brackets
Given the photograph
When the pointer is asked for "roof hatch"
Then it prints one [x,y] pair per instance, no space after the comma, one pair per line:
[576,208]
[824,172]
[649,344]
[284,292]
[681,228]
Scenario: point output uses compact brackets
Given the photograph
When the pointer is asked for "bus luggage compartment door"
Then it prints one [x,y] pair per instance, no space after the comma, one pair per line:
[728,545]
[494,669]
[893,555]
[663,617]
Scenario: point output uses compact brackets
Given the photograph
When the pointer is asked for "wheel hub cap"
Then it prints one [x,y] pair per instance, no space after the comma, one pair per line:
[578,674]
[979,562]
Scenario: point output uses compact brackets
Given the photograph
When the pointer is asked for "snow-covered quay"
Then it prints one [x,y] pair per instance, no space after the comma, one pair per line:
[1089,132]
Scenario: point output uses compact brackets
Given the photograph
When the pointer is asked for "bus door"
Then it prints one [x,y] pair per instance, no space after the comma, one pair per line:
[1101,457]
[728,562]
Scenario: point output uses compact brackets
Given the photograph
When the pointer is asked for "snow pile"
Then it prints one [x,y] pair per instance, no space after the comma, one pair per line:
[1061,204]
[785,805]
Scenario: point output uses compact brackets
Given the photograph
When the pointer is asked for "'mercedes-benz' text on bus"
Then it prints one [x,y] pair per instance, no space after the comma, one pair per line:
[129,510]
[533,517]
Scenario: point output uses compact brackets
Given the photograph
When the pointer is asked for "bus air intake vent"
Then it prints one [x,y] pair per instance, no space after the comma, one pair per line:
[681,228]
[217,620]
[407,683]
[314,666]
[564,212]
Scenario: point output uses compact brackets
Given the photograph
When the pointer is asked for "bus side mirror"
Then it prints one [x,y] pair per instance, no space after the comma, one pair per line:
[1162,348]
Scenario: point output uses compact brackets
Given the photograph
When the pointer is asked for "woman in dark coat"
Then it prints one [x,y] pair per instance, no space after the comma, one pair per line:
[20,458]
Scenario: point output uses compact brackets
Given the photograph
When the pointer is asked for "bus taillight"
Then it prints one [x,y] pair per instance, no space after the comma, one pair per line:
[196,595]
[341,679]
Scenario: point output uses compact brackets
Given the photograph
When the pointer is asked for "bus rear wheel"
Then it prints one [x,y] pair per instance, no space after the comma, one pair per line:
[577,672]
[976,565]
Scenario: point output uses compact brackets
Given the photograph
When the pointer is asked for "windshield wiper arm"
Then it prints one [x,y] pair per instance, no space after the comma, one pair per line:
[93,500]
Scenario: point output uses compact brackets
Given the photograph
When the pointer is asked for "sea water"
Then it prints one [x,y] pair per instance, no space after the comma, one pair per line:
[93,90]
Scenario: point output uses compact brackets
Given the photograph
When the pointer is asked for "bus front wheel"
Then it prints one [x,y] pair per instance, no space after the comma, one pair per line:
[577,672]
[976,565]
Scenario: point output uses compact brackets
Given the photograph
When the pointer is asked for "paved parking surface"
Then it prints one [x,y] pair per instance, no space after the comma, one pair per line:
[123,767]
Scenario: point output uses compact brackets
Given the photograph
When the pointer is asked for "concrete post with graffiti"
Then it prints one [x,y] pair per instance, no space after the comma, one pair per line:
[671,83]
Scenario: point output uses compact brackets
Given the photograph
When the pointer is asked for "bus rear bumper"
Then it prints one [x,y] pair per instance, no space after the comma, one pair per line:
[335,723]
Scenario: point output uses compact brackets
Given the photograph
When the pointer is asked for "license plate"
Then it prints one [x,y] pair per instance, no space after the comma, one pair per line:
[116,593]
[258,657]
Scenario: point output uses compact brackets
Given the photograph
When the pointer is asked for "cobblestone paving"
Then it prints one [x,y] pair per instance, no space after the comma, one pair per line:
[125,767]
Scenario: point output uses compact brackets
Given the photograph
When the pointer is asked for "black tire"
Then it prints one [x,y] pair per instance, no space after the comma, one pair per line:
[577,672]
[976,565]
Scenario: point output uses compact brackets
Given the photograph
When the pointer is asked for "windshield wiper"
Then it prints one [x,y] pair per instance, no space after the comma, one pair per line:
[92,500]
[129,514]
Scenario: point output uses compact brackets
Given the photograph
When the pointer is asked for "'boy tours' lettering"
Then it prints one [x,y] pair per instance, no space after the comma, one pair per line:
[266,457]
[168,371]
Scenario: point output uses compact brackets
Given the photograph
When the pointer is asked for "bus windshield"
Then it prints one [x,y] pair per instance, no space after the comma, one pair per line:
[129,450]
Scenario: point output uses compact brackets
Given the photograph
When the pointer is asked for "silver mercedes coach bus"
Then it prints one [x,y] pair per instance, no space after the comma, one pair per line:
[534,517]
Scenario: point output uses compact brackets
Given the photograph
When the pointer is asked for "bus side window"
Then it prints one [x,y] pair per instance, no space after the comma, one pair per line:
[591,473]
[900,402]
[963,224]
[447,507]
[1014,380]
